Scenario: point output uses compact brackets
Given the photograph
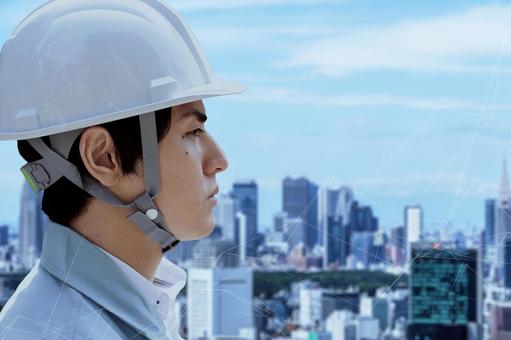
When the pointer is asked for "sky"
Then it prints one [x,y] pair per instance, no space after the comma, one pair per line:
[405,102]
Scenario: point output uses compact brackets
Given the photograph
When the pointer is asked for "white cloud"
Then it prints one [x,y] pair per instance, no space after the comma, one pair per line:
[282,95]
[415,184]
[268,38]
[194,5]
[466,42]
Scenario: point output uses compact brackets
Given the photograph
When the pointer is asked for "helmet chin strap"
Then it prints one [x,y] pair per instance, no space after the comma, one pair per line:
[44,172]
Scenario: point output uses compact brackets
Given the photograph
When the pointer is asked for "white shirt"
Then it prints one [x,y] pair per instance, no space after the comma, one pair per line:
[162,292]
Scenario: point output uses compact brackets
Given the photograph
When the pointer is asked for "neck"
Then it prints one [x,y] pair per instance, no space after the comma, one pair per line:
[109,228]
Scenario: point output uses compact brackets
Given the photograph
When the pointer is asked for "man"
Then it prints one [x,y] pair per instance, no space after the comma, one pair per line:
[105,100]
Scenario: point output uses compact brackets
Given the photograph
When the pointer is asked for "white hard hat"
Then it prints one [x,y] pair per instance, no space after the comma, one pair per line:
[72,64]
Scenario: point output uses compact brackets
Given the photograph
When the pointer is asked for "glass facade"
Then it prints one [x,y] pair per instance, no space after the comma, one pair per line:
[444,289]
[246,193]
[299,199]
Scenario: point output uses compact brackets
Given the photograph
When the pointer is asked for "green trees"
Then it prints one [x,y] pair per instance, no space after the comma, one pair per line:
[269,283]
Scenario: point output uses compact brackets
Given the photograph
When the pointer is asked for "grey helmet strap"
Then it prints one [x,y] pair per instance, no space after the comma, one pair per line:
[52,166]
[44,172]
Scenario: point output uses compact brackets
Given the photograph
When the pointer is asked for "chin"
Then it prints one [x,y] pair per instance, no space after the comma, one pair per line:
[201,230]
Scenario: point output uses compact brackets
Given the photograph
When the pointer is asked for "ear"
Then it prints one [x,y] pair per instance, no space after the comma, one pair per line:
[99,155]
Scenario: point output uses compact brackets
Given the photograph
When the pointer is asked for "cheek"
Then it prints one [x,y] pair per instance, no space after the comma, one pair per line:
[182,179]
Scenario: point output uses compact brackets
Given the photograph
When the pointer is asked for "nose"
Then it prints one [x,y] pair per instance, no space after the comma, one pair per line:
[216,161]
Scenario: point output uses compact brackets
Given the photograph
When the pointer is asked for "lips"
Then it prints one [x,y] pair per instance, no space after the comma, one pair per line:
[215,191]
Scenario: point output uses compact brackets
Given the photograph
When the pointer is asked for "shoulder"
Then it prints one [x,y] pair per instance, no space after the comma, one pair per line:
[40,301]
[45,307]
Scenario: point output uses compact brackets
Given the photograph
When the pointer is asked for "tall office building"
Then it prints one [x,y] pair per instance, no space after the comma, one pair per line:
[32,226]
[346,198]
[209,253]
[488,236]
[337,322]
[367,220]
[310,305]
[334,203]
[219,303]
[502,226]
[363,251]
[413,228]
[380,243]
[489,222]
[225,215]
[500,327]
[4,235]
[299,199]
[381,310]
[294,233]
[336,243]
[241,236]
[398,245]
[246,193]
[279,220]
[506,266]
[362,219]
[445,293]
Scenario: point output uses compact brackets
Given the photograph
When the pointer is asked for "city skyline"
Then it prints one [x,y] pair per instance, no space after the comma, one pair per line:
[268,216]
[367,194]
[402,131]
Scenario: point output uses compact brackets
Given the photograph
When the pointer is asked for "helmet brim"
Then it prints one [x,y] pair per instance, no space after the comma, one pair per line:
[214,89]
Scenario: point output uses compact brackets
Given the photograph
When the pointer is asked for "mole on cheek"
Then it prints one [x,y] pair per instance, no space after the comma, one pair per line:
[187,152]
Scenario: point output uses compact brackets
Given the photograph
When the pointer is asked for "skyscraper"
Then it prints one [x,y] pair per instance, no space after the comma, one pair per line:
[413,227]
[225,214]
[500,327]
[445,294]
[502,224]
[327,206]
[333,203]
[489,222]
[361,218]
[279,221]
[246,193]
[334,208]
[299,199]
[336,243]
[507,264]
[337,322]
[310,305]
[398,245]
[219,303]
[4,235]
[488,236]
[241,236]
[294,231]
[32,225]
[362,248]
[209,253]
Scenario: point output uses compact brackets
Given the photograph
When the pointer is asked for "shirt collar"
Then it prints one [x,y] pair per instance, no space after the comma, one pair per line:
[85,267]
[168,282]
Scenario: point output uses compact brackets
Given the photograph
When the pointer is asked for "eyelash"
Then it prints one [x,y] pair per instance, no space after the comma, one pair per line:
[196,132]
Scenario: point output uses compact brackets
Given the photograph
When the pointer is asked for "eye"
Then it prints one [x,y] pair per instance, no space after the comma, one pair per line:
[196,132]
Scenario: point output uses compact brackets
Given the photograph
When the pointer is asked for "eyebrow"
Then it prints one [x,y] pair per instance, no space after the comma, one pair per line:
[200,116]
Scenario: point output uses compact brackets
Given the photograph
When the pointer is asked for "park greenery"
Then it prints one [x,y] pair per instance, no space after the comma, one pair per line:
[268,283]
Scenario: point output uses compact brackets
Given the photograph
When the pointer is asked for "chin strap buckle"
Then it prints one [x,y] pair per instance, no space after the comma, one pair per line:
[36,175]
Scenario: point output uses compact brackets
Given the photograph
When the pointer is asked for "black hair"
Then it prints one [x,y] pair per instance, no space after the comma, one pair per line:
[64,201]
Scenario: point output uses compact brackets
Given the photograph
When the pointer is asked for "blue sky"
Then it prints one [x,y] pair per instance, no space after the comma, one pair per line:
[406,102]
